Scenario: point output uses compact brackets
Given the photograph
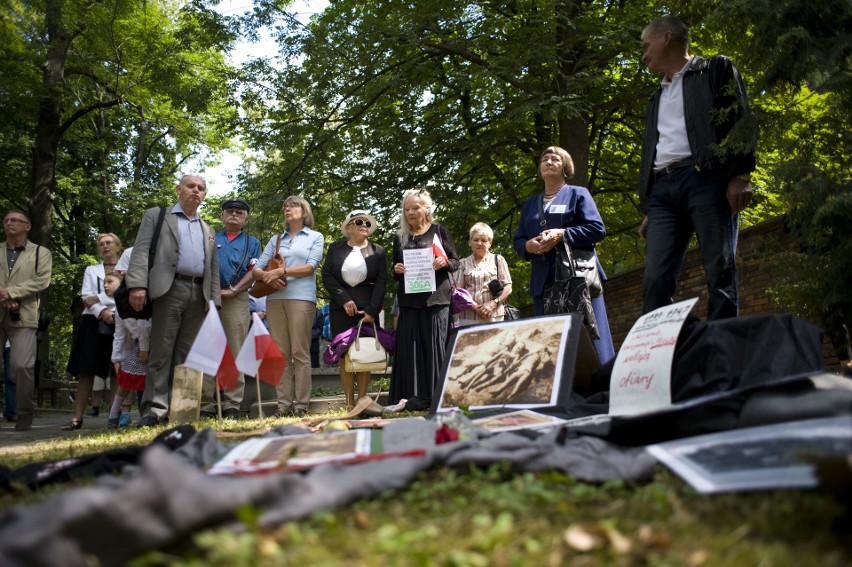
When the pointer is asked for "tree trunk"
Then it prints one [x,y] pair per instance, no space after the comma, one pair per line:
[48,128]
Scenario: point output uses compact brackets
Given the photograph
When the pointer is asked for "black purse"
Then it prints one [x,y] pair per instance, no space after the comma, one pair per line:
[569,293]
[122,294]
[495,286]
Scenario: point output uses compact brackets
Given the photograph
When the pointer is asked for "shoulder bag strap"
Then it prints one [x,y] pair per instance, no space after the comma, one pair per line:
[152,251]
[243,261]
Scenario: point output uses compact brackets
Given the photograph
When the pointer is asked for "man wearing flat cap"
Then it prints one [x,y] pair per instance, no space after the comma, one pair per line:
[238,252]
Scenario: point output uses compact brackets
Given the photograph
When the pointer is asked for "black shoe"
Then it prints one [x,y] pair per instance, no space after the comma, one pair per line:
[94,412]
[301,412]
[148,421]
[12,418]
[231,413]
[207,415]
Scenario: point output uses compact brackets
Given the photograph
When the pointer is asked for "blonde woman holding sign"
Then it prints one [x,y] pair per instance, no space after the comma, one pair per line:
[424,313]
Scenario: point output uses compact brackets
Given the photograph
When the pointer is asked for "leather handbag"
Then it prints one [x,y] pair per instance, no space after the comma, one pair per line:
[586,264]
[585,261]
[122,294]
[569,292]
[366,354]
[261,288]
[511,313]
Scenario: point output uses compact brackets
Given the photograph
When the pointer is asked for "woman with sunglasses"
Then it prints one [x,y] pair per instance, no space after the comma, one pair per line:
[354,274]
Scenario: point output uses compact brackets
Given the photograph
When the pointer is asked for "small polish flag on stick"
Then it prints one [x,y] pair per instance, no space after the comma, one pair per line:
[438,248]
[260,357]
[210,352]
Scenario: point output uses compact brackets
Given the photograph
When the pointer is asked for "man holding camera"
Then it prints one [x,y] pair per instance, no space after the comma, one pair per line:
[25,270]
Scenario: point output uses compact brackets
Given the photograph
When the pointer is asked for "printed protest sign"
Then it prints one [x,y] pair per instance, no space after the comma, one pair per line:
[419,274]
[642,374]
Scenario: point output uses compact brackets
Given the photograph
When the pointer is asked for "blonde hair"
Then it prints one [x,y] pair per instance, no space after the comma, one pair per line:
[484,230]
[426,199]
[115,239]
[306,209]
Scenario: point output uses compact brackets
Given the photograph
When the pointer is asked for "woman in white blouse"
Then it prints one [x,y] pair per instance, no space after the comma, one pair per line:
[355,274]
[92,350]
[478,271]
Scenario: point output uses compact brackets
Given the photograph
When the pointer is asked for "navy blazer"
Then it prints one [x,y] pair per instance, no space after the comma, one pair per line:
[573,209]
[368,295]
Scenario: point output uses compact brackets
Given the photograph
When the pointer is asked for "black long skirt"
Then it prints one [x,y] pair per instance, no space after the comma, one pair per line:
[91,354]
[421,346]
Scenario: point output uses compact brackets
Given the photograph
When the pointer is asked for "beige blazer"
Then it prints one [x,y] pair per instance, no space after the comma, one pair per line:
[159,281]
[25,282]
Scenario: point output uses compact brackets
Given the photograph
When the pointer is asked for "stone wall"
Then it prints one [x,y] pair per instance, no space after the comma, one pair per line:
[757,247]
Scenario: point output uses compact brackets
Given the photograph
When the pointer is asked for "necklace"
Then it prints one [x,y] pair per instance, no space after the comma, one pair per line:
[551,196]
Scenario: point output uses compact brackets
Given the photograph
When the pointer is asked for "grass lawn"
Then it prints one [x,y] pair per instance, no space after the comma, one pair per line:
[495,516]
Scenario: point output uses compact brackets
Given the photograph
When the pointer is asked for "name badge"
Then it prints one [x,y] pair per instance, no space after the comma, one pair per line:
[557,209]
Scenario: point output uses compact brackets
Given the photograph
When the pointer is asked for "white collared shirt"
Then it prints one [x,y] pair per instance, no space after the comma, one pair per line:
[672,143]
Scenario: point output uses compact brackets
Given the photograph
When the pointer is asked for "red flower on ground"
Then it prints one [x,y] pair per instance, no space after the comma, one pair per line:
[446,434]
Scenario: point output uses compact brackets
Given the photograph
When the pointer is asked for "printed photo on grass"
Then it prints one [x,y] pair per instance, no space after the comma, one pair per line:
[511,364]
[521,419]
[292,452]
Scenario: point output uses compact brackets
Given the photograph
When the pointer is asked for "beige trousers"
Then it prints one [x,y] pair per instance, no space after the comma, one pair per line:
[290,322]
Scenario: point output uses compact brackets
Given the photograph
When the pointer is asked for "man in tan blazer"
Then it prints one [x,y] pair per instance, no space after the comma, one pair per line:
[183,278]
[24,271]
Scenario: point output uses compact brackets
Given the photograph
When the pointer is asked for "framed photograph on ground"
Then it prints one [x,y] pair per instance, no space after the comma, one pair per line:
[528,363]
[769,457]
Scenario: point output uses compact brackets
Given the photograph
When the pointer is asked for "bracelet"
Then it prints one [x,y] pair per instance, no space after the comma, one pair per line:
[233,289]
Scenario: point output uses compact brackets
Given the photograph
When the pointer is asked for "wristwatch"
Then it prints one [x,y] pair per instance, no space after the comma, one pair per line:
[744,177]
[233,289]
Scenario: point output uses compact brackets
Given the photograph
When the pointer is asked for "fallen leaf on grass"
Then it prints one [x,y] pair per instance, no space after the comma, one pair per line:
[620,544]
[697,558]
[650,538]
[581,538]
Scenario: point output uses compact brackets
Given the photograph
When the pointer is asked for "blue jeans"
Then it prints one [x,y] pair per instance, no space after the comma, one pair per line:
[680,204]
[10,386]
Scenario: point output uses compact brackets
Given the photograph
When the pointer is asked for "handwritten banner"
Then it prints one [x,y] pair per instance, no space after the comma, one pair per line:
[419,275]
[642,374]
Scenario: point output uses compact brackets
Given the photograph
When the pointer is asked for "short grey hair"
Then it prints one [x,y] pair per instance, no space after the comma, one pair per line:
[680,33]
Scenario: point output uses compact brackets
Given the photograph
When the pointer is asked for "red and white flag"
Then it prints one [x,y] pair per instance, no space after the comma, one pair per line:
[438,248]
[210,352]
[260,356]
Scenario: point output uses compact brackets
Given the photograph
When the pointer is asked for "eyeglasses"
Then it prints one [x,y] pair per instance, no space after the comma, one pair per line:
[21,221]
[359,222]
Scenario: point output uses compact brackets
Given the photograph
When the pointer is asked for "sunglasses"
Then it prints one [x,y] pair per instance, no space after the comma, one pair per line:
[359,222]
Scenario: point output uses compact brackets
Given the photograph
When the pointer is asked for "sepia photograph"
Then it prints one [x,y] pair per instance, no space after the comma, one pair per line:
[514,364]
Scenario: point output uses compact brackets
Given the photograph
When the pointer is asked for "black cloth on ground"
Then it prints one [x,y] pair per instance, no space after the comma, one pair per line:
[715,357]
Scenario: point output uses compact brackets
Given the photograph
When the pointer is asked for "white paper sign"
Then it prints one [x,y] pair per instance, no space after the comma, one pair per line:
[642,374]
[419,275]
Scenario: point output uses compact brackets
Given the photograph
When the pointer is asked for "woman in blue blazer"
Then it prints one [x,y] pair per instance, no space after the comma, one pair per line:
[569,212]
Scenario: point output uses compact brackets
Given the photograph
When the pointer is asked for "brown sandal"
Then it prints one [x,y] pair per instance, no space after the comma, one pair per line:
[72,425]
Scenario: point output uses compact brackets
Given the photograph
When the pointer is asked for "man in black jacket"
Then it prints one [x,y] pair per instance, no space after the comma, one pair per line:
[697,159]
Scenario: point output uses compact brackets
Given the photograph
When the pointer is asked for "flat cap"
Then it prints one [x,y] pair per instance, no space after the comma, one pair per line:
[236,204]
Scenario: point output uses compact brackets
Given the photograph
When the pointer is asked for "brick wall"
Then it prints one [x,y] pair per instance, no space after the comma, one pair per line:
[757,247]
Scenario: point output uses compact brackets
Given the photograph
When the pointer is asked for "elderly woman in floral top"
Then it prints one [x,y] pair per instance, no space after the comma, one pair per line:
[477,271]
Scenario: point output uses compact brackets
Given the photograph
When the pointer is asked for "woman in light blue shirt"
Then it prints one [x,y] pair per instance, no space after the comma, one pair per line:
[290,308]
